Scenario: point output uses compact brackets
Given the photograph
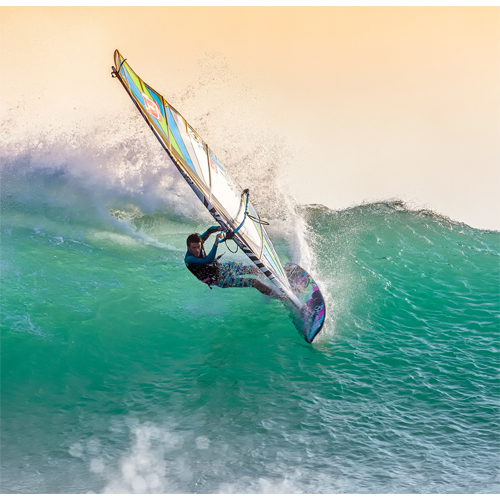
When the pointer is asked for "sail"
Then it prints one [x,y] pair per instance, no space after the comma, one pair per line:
[204,172]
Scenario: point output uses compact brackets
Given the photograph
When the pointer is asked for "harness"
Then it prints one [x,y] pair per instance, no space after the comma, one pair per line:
[206,273]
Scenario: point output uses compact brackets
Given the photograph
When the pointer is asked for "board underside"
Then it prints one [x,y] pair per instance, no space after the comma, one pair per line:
[312,315]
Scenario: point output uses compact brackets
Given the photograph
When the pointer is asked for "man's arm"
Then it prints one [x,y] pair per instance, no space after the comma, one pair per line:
[208,232]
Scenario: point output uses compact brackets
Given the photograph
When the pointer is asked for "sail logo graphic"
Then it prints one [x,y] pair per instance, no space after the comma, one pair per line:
[214,166]
[152,108]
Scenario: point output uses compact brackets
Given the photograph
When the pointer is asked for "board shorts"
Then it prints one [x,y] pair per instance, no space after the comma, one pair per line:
[231,275]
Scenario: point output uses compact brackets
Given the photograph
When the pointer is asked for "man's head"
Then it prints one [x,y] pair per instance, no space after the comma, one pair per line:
[194,244]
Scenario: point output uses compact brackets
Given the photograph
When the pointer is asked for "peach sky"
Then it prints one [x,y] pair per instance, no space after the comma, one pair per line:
[372,103]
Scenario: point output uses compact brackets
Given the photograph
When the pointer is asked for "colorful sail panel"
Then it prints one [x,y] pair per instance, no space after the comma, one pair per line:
[220,194]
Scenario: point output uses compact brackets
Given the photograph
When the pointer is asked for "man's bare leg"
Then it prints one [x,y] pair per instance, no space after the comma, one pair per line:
[255,270]
[267,290]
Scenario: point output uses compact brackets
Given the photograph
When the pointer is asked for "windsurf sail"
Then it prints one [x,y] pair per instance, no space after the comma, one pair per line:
[228,203]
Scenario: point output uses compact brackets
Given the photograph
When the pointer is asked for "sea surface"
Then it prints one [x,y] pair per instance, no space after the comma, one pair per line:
[121,373]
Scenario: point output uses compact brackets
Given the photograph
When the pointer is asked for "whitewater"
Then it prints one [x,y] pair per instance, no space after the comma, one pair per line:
[120,373]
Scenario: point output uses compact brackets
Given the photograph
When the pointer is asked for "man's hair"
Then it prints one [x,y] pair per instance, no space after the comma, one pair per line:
[193,238]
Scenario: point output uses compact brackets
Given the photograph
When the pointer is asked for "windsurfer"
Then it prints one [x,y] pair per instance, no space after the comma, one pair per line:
[209,270]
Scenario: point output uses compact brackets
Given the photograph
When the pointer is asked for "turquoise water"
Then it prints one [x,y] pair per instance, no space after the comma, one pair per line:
[121,373]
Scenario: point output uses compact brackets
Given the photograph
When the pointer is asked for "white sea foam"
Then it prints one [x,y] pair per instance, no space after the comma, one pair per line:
[163,460]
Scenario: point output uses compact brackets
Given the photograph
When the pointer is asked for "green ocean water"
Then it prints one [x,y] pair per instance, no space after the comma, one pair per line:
[121,373]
